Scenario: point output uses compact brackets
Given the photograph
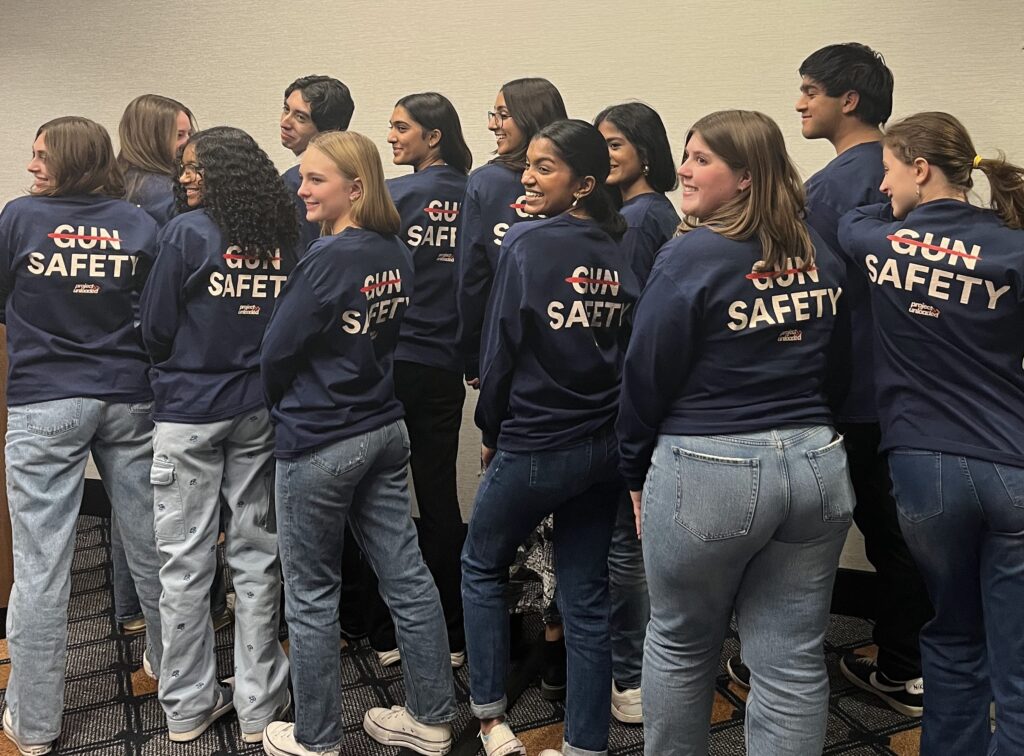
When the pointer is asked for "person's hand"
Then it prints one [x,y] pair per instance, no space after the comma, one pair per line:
[486,455]
[636,497]
[473,383]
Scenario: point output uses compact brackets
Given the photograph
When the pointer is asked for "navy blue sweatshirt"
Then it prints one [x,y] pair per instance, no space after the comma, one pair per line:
[428,202]
[308,230]
[494,201]
[204,310]
[652,222]
[718,348]
[947,286]
[851,180]
[328,353]
[555,335]
[153,192]
[71,269]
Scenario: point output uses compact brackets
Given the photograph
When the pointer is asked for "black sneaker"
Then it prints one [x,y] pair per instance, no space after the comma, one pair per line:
[738,671]
[552,677]
[904,696]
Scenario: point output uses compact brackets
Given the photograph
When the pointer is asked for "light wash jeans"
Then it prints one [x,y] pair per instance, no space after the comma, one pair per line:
[630,605]
[963,519]
[753,522]
[48,445]
[362,481]
[197,469]
[581,487]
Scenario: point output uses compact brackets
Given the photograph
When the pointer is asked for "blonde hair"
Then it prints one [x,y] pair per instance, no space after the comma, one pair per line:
[772,207]
[147,130]
[943,141]
[357,157]
[80,158]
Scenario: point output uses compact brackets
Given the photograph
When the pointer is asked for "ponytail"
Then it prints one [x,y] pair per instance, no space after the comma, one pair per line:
[600,205]
[943,141]
[1006,182]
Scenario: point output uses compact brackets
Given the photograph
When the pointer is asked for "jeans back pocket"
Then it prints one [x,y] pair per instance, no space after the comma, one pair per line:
[342,456]
[715,496]
[168,514]
[833,475]
[53,418]
[916,483]
[1012,479]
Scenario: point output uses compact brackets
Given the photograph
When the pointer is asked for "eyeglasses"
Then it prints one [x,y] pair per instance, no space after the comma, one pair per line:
[190,170]
[499,117]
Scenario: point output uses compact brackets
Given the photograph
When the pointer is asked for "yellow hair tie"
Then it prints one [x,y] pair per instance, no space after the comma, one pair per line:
[977,160]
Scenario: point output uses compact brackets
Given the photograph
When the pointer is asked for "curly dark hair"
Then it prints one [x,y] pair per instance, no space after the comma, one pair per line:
[243,193]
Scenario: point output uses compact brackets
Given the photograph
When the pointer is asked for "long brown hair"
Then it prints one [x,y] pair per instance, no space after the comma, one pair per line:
[771,208]
[146,132]
[356,156]
[943,141]
[80,158]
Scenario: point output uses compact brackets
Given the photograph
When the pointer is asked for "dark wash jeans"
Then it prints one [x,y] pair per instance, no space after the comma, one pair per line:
[963,519]
[581,486]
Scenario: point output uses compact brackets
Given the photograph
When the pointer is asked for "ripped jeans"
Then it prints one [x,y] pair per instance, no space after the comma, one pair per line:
[197,468]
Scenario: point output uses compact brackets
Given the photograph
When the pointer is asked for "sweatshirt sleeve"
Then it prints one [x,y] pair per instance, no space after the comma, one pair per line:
[858,230]
[666,333]
[474,282]
[502,336]
[299,317]
[162,297]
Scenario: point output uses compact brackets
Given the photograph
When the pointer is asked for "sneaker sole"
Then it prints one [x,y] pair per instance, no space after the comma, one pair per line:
[551,692]
[401,739]
[39,750]
[279,715]
[195,732]
[914,712]
[735,678]
[621,716]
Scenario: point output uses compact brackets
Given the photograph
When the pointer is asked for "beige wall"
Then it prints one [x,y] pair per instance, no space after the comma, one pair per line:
[230,61]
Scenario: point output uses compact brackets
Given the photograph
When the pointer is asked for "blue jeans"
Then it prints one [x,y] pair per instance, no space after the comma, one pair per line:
[753,522]
[48,445]
[361,480]
[963,519]
[201,471]
[581,487]
[630,605]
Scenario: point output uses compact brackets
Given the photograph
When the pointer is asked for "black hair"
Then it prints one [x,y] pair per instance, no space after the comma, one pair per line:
[330,102]
[584,150]
[243,193]
[644,129]
[533,103]
[853,66]
[434,111]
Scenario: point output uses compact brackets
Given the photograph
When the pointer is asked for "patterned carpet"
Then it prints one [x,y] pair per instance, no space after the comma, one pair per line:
[111,707]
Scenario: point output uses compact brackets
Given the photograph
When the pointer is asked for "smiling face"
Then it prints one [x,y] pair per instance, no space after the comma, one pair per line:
[297,126]
[626,166]
[409,144]
[900,183]
[41,178]
[191,177]
[821,116]
[549,181]
[707,181]
[507,134]
[327,192]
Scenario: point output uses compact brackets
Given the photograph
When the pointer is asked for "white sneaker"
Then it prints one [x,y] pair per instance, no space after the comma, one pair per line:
[24,749]
[397,727]
[147,667]
[222,706]
[388,658]
[550,752]
[279,740]
[626,705]
[282,713]
[501,741]
[458,659]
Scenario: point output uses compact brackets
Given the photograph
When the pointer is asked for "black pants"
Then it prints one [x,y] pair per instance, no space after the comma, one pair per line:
[433,400]
[902,605]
